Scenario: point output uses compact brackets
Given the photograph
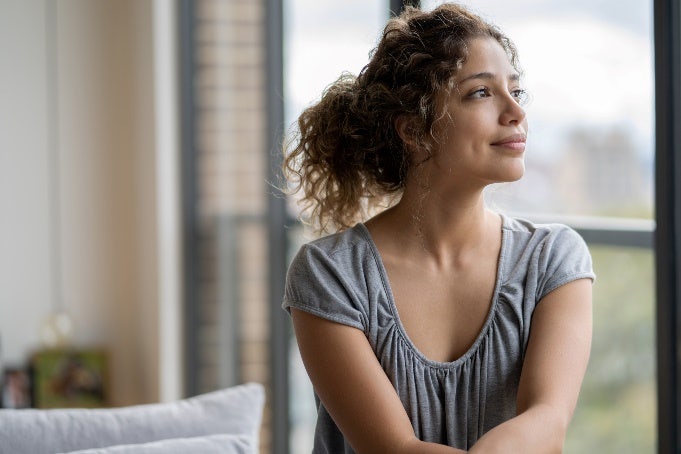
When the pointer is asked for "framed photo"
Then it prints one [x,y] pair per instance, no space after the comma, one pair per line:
[69,378]
[16,388]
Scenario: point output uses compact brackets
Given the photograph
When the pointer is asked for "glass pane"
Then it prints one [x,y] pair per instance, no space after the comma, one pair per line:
[228,342]
[588,68]
[617,407]
[322,39]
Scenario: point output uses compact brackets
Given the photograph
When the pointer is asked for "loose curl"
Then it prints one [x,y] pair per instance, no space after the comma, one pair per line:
[347,156]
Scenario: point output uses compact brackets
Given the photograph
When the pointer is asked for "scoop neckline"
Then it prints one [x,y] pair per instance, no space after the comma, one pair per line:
[484,331]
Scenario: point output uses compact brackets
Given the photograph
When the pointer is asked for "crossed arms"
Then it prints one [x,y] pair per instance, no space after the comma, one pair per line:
[374,420]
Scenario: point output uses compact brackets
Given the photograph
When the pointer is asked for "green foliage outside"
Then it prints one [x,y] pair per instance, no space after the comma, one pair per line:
[617,408]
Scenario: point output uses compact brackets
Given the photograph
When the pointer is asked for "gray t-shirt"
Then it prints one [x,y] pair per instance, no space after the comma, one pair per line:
[341,278]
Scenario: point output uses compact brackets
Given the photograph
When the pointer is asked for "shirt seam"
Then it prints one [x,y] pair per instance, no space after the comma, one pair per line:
[323,314]
[566,278]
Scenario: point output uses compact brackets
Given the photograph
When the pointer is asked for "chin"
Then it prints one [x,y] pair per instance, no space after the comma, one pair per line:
[518,176]
[512,174]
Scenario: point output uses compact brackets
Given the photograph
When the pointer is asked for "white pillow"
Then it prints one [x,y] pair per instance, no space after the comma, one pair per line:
[236,411]
[210,444]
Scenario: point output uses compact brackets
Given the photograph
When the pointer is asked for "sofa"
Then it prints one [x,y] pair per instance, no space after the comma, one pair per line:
[221,422]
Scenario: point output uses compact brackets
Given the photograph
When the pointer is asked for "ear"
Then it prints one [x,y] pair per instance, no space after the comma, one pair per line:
[405,129]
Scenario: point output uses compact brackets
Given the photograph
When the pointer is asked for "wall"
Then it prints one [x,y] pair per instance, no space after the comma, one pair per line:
[24,197]
[108,156]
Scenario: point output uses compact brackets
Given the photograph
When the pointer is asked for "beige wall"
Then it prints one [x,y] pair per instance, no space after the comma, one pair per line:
[109,191]
[24,210]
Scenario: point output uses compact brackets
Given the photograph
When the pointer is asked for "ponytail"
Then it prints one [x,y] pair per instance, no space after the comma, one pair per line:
[338,159]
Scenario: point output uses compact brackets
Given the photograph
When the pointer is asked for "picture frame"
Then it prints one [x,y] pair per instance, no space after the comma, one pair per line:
[16,388]
[69,379]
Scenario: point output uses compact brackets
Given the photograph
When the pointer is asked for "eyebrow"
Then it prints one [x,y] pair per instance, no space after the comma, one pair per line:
[487,75]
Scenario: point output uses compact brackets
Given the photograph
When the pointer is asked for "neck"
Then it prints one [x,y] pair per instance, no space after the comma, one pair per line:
[447,229]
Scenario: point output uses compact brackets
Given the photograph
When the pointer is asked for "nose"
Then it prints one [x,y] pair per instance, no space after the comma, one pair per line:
[512,113]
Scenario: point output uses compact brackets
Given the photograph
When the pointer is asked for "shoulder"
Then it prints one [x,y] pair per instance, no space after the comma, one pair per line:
[526,227]
[349,244]
[549,255]
[330,277]
[347,258]
[523,234]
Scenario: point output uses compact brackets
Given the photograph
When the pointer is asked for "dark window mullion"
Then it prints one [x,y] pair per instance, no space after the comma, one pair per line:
[277,239]
[189,183]
[668,214]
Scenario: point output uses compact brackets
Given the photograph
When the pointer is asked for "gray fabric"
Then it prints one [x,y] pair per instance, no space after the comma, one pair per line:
[236,410]
[341,278]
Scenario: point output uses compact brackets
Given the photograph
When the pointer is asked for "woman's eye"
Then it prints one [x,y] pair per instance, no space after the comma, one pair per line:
[520,95]
[480,93]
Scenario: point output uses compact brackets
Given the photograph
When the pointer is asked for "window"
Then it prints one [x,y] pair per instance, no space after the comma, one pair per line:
[590,153]
[226,207]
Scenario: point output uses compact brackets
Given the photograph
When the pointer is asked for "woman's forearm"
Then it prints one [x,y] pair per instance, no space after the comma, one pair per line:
[422,447]
[538,430]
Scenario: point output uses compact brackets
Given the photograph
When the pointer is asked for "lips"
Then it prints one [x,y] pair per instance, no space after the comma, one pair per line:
[513,142]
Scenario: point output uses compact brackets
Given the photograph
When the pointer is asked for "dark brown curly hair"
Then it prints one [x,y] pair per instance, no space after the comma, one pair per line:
[347,156]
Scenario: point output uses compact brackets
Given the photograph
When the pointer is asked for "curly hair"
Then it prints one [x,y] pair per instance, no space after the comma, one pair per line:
[347,156]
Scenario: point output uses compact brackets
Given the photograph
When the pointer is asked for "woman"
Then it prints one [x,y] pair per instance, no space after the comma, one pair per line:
[437,325]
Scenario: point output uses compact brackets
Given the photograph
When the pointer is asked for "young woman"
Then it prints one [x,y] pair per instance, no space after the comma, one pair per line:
[437,325]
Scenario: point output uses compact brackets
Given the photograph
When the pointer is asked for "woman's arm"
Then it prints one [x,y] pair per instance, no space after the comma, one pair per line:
[354,388]
[554,366]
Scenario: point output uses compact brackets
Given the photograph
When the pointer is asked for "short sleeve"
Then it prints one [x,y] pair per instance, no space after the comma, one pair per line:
[324,284]
[564,258]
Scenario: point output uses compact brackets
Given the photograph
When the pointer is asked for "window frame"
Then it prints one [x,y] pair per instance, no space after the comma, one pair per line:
[667,51]
[277,222]
[663,235]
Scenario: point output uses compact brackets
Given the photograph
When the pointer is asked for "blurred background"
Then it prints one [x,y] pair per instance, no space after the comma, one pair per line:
[139,153]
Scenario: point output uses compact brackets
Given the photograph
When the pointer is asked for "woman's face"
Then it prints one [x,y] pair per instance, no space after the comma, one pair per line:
[484,129]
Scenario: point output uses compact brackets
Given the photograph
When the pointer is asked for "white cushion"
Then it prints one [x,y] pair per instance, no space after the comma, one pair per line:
[210,444]
[236,411]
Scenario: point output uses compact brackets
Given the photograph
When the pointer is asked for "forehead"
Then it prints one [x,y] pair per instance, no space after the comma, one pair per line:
[486,55]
